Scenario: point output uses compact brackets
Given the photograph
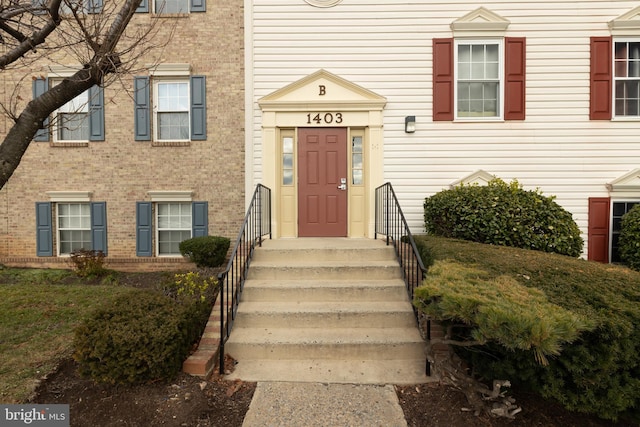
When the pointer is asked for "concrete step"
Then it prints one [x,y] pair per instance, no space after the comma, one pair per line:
[326,310]
[336,371]
[328,344]
[324,290]
[326,315]
[271,254]
[325,270]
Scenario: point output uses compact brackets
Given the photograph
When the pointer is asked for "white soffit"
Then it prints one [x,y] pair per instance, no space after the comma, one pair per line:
[480,22]
[479,177]
[627,24]
[627,185]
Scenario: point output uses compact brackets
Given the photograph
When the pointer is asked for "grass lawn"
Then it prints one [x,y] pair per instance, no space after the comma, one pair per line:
[39,310]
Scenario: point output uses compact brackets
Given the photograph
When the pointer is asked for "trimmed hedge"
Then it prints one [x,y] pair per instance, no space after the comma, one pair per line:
[629,243]
[139,337]
[206,251]
[503,214]
[599,372]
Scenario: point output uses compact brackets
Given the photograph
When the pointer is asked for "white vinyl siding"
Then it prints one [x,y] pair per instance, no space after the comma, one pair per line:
[386,47]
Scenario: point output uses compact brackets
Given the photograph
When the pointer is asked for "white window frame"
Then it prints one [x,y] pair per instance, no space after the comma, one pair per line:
[76,106]
[616,79]
[159,230]
[59,229]
[501,78]
[156,107]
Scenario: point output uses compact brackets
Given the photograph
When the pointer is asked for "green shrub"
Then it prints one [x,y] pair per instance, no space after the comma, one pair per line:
[206,251]
[597,373]
[141,336]
[503,214]
[88,263]
[629,243]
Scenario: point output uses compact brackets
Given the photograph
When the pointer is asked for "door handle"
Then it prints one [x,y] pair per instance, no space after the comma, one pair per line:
[342,187]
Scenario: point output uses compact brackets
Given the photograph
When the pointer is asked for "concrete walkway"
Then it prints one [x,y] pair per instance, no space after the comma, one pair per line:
[286,404]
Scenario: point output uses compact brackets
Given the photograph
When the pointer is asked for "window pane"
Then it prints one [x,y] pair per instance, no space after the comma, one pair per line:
[357,177]
[628,98]
[173,96]
[287,145]
[287,177]
[73,127]
[287,161]
[79,104]
[357,144]
[357,161]
[477,53]
[169,241]
[171,6]
[173,126]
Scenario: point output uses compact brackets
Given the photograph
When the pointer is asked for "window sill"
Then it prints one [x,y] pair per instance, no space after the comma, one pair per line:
[69,144]
[171,15]
[171,143]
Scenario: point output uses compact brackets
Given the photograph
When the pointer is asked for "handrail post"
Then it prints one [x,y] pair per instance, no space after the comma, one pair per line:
[231,280]
[397,231]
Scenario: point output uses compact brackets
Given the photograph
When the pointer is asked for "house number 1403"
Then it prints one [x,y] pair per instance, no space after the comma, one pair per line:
[326,118]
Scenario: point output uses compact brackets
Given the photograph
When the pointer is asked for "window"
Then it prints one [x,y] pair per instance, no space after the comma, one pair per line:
[618,211]
[178,111]
[76,225]
[79,120]
[287,160]
[174,226]
[171,6]
[72,119]
[479,79]
[478,71]
[172,114]
[627,78]
[162,225]
[357,164]
[80,6]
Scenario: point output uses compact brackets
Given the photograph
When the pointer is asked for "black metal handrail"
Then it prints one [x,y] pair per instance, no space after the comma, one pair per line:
[257,223]
[390,222]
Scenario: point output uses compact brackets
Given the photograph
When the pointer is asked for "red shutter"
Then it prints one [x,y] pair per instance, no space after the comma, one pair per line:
[515,69]
[442,80]
[599,215]
[601,79]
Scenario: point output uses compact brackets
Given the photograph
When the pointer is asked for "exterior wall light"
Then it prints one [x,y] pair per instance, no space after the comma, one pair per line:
[410,124]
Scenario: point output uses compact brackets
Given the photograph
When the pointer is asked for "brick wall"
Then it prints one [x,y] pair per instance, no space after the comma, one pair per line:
[120,171]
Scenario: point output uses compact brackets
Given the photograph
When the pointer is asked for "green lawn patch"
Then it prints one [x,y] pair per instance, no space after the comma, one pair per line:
[39,310]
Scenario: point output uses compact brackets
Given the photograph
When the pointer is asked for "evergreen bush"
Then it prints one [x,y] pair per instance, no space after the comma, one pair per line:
[597,372]
[503,214]
[629,243]
[139,337]
[206,251]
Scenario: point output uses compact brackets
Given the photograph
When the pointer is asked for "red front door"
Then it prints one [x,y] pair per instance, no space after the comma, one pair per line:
[322,166]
